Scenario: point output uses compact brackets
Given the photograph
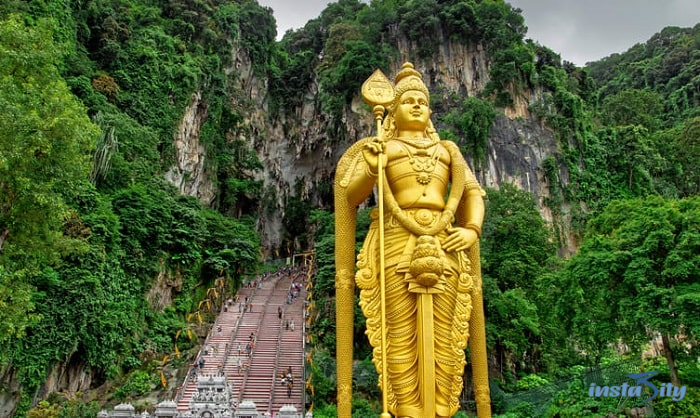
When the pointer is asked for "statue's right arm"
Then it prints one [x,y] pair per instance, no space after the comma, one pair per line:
[354,177]
[361,181]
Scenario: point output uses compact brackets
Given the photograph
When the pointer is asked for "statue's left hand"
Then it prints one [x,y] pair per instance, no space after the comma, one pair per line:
[459,239]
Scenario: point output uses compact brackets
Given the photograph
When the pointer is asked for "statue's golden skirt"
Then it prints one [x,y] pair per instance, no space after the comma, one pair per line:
[452,306]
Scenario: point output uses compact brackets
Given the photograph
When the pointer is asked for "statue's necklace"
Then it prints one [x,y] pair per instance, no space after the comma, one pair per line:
[423,163]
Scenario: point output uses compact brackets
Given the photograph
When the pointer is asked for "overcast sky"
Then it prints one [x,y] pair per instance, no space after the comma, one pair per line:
[580,31]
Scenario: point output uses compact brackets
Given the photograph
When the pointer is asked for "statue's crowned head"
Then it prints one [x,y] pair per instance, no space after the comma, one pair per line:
[409,88]
[408,79]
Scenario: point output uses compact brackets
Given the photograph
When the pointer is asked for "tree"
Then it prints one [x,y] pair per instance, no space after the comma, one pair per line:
[632,157]
[516,242]
[636,275]
[338,34]
[687,149]
[516,247]
[633,107]
[45,142]
[473,122]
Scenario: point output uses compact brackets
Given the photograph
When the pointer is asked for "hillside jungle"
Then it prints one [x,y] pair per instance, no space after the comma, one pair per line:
[109,276]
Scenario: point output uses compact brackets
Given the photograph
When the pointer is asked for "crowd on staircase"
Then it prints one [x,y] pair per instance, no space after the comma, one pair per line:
[268,359]
[256,345]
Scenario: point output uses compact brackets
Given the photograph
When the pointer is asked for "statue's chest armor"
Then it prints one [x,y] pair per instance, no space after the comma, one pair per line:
[418,176]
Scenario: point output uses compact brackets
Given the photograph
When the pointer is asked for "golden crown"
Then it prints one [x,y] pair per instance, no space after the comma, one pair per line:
[408,79]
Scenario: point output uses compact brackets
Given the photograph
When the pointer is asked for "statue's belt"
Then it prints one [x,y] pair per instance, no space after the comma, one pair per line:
[424,217]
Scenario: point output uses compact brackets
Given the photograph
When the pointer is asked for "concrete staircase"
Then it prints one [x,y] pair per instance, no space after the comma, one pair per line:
[276,348]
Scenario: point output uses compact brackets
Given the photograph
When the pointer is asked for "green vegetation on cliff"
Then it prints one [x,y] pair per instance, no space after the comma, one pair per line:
[101,260]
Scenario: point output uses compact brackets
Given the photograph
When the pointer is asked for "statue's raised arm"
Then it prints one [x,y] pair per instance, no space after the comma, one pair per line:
[418,270]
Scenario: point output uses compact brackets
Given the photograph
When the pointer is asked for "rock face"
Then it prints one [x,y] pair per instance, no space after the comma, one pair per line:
[515,154]
[456,68]
[70,377]
[160,295]
[299,154]
[9,397]
[189,173]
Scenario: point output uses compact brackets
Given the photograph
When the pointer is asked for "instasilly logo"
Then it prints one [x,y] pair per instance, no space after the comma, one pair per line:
[666,390]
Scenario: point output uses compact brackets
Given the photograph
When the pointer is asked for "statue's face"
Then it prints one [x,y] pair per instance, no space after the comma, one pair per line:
[412,112]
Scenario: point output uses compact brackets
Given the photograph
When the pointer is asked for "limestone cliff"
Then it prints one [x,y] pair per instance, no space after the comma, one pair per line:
[295,148]
[189,172]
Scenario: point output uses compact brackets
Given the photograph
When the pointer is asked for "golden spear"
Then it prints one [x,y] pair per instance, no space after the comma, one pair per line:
[378,92]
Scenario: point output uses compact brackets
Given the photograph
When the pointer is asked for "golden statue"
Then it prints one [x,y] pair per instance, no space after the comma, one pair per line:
[418,270]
